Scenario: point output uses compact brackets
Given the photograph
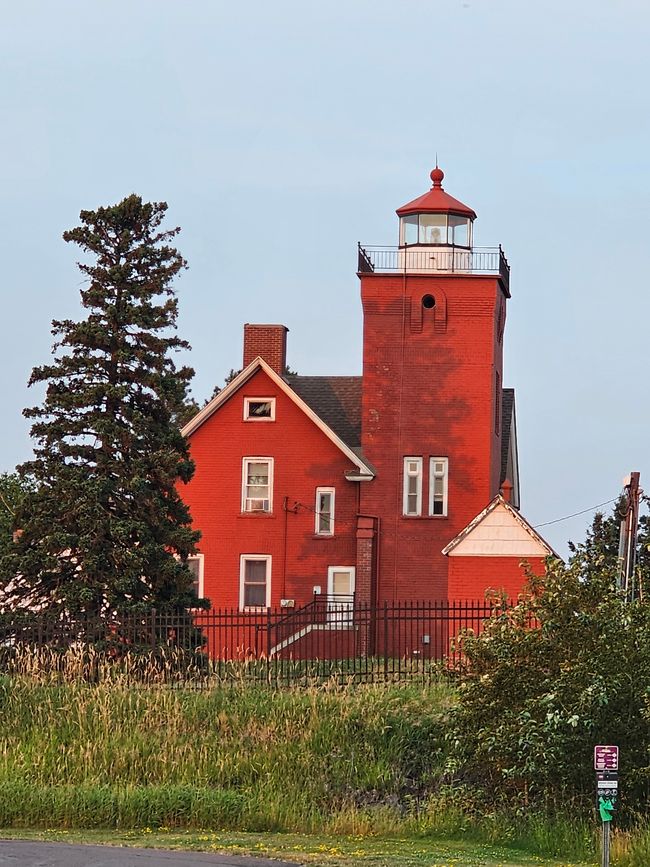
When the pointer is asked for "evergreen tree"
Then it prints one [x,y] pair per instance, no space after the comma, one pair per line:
[600,549]
[105,529]
[13,490]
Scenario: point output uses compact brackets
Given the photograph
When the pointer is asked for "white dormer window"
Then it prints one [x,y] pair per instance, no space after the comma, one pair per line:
[257,485]
[259,409]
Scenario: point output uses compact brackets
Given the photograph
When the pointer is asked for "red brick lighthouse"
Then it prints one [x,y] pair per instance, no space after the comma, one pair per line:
[400,484]
[434,312]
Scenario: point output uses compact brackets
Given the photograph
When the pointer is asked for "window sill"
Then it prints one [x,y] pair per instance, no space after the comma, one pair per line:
[424,517]
[256,515]
[323,536]
[260,419]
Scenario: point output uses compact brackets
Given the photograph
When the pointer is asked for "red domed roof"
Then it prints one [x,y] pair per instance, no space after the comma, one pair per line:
[437,201]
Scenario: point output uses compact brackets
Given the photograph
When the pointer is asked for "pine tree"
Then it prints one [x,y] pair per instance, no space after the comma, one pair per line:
[598,554]
[13,490]
[105,529]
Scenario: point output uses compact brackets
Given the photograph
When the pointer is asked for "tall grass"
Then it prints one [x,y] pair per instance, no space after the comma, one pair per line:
[330,759]
[241,757]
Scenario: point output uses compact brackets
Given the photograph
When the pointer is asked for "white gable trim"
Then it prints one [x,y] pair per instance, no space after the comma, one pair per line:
[535,539]
[241,379]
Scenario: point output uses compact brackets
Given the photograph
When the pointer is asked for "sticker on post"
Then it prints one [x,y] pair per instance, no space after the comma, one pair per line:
[606,809]
[606,758]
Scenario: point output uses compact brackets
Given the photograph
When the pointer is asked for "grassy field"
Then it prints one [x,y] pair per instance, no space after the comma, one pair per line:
[339,763]
[251,759]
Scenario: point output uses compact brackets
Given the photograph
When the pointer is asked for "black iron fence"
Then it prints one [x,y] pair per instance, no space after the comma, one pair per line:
[331,637]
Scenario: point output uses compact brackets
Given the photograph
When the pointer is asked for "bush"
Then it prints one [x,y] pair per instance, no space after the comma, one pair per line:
[565,669]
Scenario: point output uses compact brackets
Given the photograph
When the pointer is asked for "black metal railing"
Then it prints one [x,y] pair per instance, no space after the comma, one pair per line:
[330,637]
[477,260]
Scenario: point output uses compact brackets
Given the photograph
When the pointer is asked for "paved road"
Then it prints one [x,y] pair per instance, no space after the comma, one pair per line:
[28,853]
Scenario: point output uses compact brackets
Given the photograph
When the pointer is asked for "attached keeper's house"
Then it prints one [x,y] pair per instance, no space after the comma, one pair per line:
[399,484]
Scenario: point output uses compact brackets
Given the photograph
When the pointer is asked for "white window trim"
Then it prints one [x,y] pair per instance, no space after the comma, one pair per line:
[267,558]
[201,559]
[332,492]
[406,476]
[445,486]
[330,577]
[247,403]
[340,612]
[244,477]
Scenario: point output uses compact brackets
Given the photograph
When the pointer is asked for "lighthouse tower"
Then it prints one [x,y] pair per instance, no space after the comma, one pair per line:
[434,313]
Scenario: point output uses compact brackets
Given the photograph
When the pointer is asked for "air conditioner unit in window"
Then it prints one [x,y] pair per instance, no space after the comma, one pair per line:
[256,505]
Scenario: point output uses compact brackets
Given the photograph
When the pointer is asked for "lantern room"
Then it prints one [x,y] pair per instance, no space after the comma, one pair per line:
[436,219]
[436,235]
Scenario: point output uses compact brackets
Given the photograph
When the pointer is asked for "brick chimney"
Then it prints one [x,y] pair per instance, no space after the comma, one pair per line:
[506,490]
[267,341]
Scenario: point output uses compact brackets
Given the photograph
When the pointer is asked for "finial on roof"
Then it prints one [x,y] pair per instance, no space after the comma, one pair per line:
[437,176]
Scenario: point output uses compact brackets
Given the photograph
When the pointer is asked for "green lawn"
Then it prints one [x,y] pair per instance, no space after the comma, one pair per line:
[333,851]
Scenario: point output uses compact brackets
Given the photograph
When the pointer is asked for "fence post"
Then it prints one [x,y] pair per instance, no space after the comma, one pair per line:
[153,629]
[268,640]
[385,640]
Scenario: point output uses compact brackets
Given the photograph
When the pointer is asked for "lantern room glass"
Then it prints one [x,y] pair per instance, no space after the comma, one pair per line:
[433,230]
[458,232]
[409,230]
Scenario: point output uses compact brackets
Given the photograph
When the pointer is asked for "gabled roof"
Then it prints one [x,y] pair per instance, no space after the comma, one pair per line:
[337,398]
[523,532]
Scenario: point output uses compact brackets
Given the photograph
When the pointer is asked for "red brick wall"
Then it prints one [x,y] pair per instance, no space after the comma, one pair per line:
[304,460]
[470,577]
[268,342]
[429,390]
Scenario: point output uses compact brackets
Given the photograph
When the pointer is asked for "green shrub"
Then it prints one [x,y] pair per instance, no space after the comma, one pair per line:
[567,668]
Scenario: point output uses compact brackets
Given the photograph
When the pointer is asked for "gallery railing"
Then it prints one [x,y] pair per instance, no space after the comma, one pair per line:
[474,260]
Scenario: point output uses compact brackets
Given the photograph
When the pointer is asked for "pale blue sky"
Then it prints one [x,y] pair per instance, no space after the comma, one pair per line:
[282,133]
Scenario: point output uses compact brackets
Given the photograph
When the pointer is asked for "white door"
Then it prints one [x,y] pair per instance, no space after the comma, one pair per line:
[340,595]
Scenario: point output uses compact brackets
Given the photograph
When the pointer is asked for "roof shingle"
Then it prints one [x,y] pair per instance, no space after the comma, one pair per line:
[507,403]
[336,400]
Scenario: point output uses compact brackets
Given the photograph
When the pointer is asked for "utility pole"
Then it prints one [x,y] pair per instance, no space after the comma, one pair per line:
[627,537]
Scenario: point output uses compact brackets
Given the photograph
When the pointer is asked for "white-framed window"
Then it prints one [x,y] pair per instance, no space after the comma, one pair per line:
[340,596]
[412,486]
[257,485]
[324,511]
[195,563]
[438,483]
[259,409]
[254,581]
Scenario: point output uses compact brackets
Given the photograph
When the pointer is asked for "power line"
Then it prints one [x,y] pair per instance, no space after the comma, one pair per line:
[575,514]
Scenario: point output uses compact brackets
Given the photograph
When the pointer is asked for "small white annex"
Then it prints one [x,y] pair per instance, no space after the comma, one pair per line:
[499,531]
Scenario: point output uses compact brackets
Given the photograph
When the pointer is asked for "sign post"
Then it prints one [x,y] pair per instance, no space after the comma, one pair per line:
[606,767]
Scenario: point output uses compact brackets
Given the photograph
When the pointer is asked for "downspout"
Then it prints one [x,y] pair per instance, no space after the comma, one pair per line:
[400,462]
[285,507]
